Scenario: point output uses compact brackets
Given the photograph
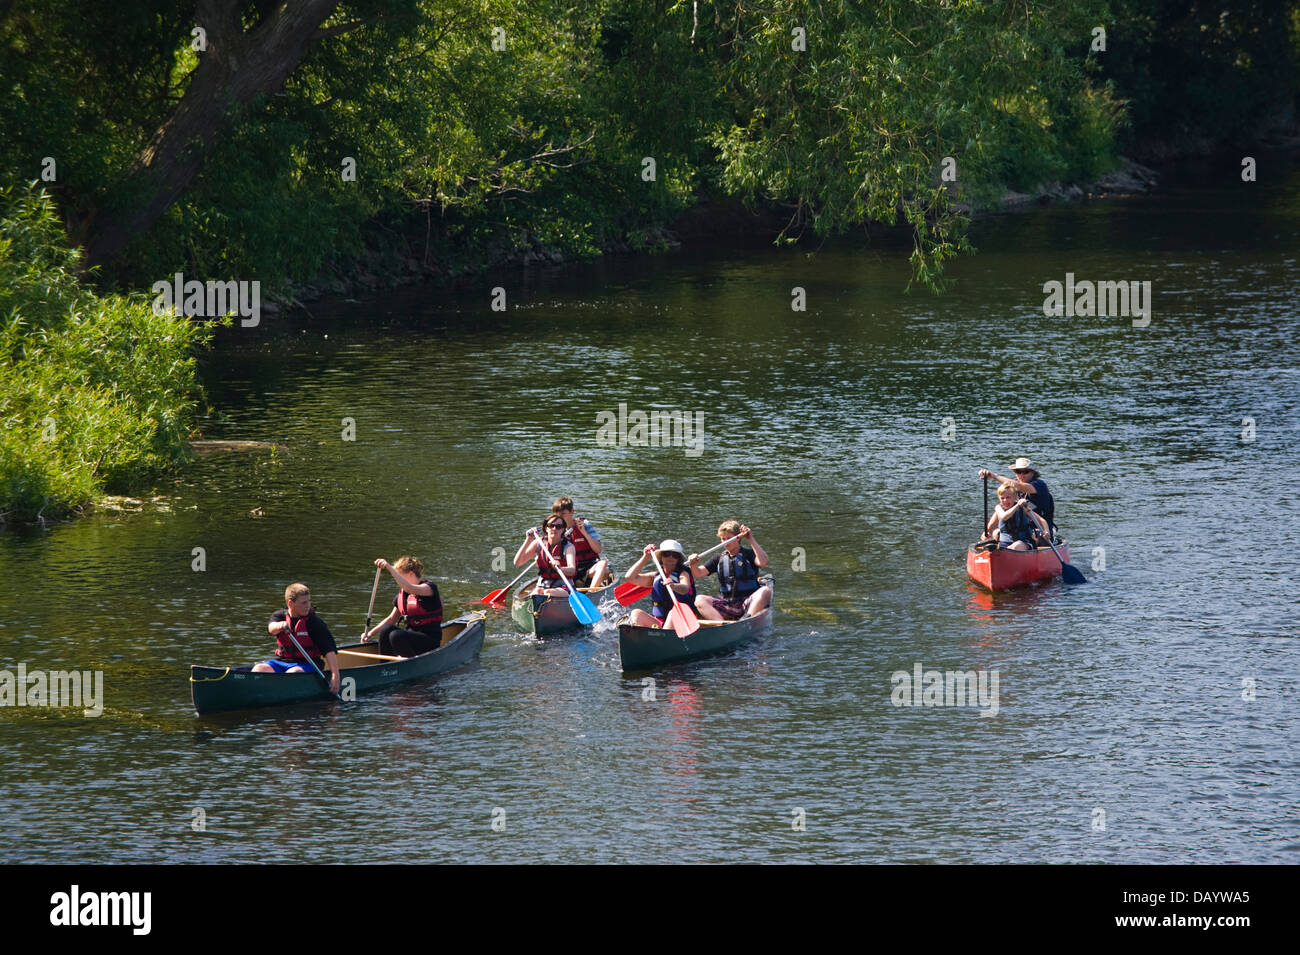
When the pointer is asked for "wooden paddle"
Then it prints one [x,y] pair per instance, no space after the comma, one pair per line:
[683,623]
[323,677]
[1069,573]
[369,613]
[496,595]
[628,593]
[582,607]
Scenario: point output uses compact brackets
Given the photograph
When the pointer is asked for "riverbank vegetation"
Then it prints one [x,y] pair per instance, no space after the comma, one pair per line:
[282,143]
[97,393]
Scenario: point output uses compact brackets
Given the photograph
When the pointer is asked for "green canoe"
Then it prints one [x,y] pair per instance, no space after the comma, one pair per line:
[216,689]
[544,616]
[645,647]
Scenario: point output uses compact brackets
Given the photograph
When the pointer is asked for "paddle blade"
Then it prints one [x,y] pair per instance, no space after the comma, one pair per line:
[583,608]
[682,622]
[1071,574]
[628,593]
[495,596]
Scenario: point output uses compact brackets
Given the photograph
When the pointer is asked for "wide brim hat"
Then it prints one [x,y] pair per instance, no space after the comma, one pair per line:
[672,547]
[1024,464]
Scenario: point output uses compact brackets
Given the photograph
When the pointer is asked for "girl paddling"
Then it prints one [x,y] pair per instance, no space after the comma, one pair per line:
[417,604]
[548,572]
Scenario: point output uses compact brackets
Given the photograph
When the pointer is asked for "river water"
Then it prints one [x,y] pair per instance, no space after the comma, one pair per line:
[1148,716]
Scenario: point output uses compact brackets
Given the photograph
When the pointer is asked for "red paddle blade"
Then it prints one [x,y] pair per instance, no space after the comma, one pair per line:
[495,596]
[682,622]
[628,593]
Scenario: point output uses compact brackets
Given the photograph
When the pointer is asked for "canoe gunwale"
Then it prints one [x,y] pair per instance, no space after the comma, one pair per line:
[255,690]
[641,648]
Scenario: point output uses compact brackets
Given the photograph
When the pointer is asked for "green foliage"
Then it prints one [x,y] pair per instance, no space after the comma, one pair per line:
[96,392]
[464,151]
[855,128]
[1197,74]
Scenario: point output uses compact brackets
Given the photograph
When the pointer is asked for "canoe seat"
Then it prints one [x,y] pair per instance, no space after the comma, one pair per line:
[368,656]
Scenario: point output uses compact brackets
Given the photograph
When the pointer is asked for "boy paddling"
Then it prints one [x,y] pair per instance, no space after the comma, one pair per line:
[737,570]
[591,566]
[312,635]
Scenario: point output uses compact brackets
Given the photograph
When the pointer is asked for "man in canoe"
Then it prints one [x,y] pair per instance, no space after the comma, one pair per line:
[1027,480]
[311,633]
[562,552]
[592,568]
[1017,526]
[737,569]
[679,575]
[417,604]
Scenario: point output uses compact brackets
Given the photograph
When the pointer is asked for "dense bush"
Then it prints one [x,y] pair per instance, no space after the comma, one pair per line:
[96,392]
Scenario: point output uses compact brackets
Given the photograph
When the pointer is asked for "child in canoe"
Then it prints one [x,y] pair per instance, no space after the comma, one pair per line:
[592,567]
[311,634]
[682,582]
[737,568]
[1016,523]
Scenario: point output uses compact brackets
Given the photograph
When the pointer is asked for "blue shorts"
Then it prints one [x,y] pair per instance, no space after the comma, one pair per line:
[283,666]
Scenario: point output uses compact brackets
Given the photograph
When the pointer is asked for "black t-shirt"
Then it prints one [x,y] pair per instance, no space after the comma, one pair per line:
[316,629]
[1042,501]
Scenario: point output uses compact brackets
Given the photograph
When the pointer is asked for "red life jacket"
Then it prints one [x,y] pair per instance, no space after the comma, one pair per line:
[420,611]
[285,650]
[545,569]
[584,555]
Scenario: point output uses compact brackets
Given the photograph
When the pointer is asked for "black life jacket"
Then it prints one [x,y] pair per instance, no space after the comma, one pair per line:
[1019,525]
[737,576]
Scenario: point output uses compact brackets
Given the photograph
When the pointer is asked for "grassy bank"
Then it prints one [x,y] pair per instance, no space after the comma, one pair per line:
[97,394]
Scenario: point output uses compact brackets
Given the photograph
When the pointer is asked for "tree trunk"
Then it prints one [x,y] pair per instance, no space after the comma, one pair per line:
[236,67]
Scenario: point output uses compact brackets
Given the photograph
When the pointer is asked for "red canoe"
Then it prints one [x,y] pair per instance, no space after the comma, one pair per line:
[1004,569]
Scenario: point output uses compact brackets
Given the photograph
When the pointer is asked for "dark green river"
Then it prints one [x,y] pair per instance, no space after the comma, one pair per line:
[1148,716]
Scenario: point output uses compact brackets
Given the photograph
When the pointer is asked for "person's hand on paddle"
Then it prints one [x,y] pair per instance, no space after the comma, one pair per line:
[745,532]
[383,564]
[986,474]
